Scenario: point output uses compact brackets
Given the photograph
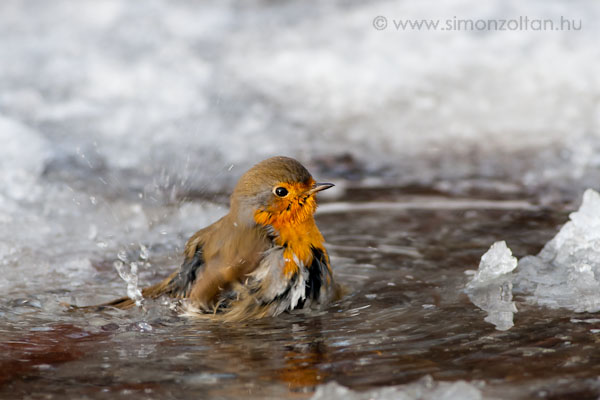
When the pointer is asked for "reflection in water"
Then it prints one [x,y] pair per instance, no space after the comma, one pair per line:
[26,355]
[290,353]
[304,359]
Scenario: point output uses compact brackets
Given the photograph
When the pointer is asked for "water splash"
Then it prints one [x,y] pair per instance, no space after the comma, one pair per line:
[129,273]
[128,264]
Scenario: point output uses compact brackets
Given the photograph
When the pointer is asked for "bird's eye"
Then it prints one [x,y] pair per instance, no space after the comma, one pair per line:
[280,191]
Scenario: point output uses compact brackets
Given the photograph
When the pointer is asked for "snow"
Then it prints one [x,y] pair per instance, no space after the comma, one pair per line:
[424,389]
[195,87]
[23,154]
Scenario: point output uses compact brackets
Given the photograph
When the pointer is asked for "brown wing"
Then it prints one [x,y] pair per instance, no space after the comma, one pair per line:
[215,258]
[179,283]
[230,252]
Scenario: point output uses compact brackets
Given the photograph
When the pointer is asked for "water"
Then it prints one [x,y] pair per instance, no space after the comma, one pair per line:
[405,316]
[125,125]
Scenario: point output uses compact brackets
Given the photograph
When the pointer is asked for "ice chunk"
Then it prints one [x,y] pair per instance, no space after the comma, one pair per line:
[424,389]
[495,263]
[491,287]
[566,273]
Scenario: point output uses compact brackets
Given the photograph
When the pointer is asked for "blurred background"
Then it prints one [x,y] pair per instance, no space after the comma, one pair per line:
[199,91]
[125,124]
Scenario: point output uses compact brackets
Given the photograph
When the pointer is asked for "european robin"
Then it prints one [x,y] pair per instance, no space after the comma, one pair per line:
[265,257]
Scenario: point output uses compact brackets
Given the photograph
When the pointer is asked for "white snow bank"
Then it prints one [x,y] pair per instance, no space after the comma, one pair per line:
[565,274]
[491,287]
[193,87]
[424,389]
[22,156]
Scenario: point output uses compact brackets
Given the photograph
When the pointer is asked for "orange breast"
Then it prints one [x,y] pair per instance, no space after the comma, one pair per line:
[294,225]
[298,241]
[298,236]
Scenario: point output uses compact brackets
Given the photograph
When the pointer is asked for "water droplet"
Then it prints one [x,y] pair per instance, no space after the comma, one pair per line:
[144,326]
[144,253]
[110,327]
[131,278]
[122,255]
[134,268]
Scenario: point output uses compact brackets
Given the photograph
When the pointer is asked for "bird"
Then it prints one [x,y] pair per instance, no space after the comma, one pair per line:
[266,256]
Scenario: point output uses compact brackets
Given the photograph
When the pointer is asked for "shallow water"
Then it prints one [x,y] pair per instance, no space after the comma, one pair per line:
[405,316]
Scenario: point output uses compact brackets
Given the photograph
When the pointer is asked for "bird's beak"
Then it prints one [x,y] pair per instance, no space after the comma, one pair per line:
[317,187]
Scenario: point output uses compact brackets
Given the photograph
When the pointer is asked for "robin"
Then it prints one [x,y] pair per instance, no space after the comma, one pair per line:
[265,257]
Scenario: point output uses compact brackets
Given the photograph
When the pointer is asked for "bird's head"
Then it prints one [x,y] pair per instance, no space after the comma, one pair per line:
[276,191]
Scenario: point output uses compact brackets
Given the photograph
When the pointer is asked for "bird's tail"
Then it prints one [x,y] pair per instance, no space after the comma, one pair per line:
[165,287]
[177,285]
